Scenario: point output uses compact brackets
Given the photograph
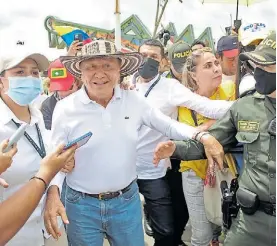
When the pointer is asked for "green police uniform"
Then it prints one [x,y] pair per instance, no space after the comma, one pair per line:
[247,122]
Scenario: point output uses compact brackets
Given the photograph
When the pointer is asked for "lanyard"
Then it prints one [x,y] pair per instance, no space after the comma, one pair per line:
[194,117]
[41,150]
[152,86]
[194,114]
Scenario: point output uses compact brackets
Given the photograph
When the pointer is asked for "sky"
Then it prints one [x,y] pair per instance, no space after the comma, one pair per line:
[24,20]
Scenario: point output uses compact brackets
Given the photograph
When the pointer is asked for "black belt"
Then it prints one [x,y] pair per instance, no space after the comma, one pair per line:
[111,195]
[268,208]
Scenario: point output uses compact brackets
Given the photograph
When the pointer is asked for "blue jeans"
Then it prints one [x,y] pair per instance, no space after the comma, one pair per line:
[63,192]
[90,219]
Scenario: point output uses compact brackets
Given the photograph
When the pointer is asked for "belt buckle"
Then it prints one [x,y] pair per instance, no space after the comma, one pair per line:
[101,195]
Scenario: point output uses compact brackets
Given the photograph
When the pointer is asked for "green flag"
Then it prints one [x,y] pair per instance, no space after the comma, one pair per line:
[58,73]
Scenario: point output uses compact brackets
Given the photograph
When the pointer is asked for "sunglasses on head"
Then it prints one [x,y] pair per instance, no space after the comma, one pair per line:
[202,50]
[191,62]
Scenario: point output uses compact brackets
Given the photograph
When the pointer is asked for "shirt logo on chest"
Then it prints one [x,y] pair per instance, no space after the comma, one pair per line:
[126,118]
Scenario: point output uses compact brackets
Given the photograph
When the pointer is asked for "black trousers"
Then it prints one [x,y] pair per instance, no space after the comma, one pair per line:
[180,210]
[158,204]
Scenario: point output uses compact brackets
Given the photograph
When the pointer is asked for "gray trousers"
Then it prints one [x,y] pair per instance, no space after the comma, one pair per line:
[202,229]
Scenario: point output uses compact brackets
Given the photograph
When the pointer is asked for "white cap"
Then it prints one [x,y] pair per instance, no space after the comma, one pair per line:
[251,32]
[19,54]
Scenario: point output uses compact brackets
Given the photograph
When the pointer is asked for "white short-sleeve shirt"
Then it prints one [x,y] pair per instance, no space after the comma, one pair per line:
[107,162]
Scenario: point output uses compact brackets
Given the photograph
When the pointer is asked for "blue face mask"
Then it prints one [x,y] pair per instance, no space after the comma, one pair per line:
[23,90]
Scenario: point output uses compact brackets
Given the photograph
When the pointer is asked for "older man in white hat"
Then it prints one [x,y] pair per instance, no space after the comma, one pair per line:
[102,195]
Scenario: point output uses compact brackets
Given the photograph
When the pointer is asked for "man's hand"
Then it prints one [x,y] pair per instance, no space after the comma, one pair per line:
[126,87]
[163,150]
[74,48]
[214,150]
[69,166]
[54,208]
[53,163]
[6,160]
[126,84]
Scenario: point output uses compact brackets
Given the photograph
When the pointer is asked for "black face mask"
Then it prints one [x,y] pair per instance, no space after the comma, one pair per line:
[265,81]
[149,68]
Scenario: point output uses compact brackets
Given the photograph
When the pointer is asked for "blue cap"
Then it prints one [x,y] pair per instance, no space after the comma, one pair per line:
[228,45]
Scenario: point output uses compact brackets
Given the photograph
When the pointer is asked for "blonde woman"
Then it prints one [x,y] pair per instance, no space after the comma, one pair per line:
[203,75]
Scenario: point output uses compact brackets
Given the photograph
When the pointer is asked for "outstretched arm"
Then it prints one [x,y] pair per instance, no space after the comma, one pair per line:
[16,210]
[213,109]
[222,133]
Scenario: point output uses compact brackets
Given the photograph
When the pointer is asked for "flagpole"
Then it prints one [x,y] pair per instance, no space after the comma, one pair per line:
[117,25]
[237,13]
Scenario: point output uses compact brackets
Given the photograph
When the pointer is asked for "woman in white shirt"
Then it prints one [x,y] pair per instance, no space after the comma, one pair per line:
[20,84]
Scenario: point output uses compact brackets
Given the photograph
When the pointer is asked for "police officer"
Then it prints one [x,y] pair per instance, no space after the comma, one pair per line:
[251,121]
[177,56]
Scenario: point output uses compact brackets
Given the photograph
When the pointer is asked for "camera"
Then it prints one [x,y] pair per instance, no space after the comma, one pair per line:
[164,37]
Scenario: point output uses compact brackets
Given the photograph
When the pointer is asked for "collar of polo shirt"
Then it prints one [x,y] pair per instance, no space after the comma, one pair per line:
[7,115]
[86,100]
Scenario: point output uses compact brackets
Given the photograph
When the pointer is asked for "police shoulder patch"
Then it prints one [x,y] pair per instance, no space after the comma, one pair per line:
[248,126]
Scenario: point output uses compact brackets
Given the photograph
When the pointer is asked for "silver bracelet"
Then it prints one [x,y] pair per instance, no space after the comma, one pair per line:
[194,137]
[199,136]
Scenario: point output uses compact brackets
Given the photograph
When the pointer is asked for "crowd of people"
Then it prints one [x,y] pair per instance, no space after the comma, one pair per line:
[169,123]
